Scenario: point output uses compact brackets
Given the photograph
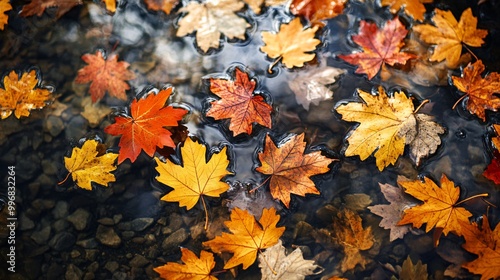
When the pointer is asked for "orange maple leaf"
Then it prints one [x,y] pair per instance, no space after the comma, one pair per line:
[290,169]
[317,10]
[145,128]
[440,208]
[105,74]
[110,5]
[248,236]
[37,7]
[449,35]
[194,268]
[379,46]
[239,103]
[413,8]
[485,243]
[481,92]
[4,7]
[164,5]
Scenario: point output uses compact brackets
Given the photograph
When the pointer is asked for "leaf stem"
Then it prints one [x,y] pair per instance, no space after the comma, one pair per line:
[470,51]
[206,212]
[421,105]
[62,182]
[270,69]
[254,189]
[470,198]
[458,101]
[267,263]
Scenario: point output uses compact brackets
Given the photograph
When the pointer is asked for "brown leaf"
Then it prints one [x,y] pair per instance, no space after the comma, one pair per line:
[164,5]
[410,271]
[37,7]
[413,8]
[317,10]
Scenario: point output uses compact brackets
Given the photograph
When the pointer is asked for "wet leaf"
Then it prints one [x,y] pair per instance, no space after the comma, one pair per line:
[20,95]
[239,103]
[110,5]
[311,86]
[350,234]
[291,44]
[481,92]
[194,268]
[380,46]
[86,165]
[94,112]
[290,169]
[448,35]
[391,213]
[357,201]
[105,74]
[439,208]
[485,243]
[317,10]
[37,7]
[285,267]
[4,7]
[492,172]
[210,19]
[164,5]
[386,125]
[413,8]
[145,128]
[248,236]
[410,271]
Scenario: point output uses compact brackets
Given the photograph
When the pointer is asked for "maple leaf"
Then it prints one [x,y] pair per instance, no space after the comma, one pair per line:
[37,7]
[275,264]
[210,19]
[380,46]
[449,35]
[290,169]
[410,271]
[290,44]
[239,103]
[392,213]
[248,236]
[317,10]
[164,5]
[413,8]
[145,128]
[481,92]
[350,234]
[439,208]
[310,86]
[492,172]
[110,5]
[485,243]
[4,7]
[86,165]
[386,125]
[94,112]
[105,74]
[22,94]
[194,268]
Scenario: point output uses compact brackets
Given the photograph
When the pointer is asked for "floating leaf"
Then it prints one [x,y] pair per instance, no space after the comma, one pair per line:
[4,7]
[164,5]
[413,8]
[317,10]
[37,7]
[194,268]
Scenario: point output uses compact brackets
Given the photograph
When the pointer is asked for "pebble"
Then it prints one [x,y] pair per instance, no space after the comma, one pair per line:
[54,125]
[174,240]
[79,219]
[61,210]
[73,272]
[141,224]
[49,168]
[107,236]
[55,271]
[106,221]
[128,234]
[43,204]
[138,261]
[60,225]
[111,266]
[25,223]
[62,241]
[89,243]
[41,236]
[77,127]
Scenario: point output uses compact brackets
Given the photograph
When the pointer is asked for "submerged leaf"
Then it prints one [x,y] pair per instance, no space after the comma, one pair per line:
[410,271]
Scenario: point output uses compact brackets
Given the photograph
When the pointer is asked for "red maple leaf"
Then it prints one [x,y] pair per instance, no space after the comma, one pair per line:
[145,128]
[239,103]
[379,46]
[37,7]
[492,172]
[317,10]
[105,75]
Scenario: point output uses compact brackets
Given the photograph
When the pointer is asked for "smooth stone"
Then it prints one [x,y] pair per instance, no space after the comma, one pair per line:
[141,224]
[60,210]
[54,125]
[62,241]
[73,272]
[138,261]
[107,236]
[111,266]
[174,240]
[25,223]
[106,221]
[79,219]
[41,236]
[89,243]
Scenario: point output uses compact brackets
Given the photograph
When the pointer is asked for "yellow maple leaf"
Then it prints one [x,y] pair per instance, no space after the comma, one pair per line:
[413,8]
[4,7]
[110,5]
[194,268]
[290,44]
[449,35]
[20,95]
[248,236]
[210,19]
[86,165]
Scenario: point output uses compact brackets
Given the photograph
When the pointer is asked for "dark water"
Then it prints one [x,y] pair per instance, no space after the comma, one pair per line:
[48,245]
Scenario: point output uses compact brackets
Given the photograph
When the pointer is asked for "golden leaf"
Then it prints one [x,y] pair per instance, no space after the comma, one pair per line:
[413,8]
[410,271]
[194,268]
[4,7]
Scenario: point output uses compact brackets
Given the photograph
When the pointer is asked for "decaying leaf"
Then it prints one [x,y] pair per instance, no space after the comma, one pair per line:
[291,44]
[105,74]
[439,208]
[20,95]
[248,236]
[357,201]
[492,172]
[392,213]
[275,264]
[311,86]
[37,7]
[144,130]
[87,165]
[481,92]
[239,103]
[413,8]
[410,271]
[451,252]
[448,35]
[94,112]
[290,169]
[380,46]
[4,7]
[194,268]
[317,10]
[210,19]
[485,243]
[350,234]
[164,5]
[386,125]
